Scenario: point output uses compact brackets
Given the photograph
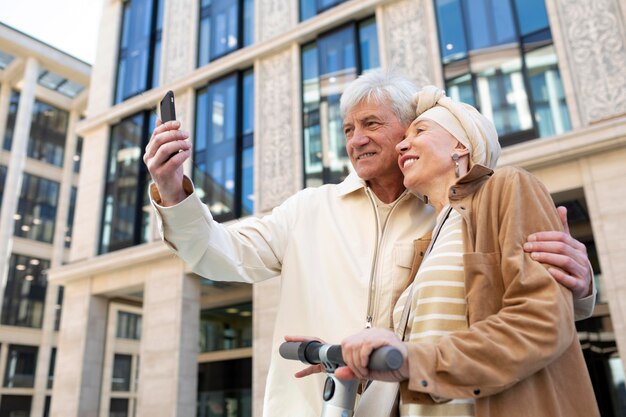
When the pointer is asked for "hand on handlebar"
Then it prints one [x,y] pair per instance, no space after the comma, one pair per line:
[356,351]
[311,369]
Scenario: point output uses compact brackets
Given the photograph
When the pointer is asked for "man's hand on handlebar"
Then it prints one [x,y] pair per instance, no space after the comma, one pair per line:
[357,349]
[311,369]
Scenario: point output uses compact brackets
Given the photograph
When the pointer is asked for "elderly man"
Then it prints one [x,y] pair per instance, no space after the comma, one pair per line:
[343,251]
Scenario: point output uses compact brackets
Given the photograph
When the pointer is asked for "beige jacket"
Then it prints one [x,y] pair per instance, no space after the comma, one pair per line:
[324,245]
[520,355]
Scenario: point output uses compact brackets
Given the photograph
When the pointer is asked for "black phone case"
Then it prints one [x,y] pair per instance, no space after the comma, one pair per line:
[168,111]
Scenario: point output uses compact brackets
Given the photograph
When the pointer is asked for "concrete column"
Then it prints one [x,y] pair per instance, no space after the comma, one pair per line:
[80,352]
[169,344]
[13,185]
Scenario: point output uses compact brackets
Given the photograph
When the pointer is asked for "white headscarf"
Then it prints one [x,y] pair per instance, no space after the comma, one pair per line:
[464,122]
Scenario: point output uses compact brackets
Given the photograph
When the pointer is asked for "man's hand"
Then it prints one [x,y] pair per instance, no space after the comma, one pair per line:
[561,250]
[165,154]
[309,370]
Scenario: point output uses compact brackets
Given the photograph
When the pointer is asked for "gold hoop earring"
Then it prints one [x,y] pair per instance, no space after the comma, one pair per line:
[455,158]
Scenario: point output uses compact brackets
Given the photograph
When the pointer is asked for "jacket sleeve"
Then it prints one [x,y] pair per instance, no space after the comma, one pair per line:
[517,334]
[249,250]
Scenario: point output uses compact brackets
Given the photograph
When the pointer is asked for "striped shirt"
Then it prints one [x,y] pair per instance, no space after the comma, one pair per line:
[438,307]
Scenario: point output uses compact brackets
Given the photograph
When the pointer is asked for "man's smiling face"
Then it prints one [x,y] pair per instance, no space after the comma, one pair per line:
[372,132]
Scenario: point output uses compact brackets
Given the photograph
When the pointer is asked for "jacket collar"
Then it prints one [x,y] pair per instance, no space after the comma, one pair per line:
[469,183]
[352,183]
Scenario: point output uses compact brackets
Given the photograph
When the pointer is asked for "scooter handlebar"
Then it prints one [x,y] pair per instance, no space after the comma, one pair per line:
[385,358]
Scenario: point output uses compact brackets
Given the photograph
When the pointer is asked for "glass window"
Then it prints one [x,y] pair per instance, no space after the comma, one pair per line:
[140,48]
[53,360]
[25,291]
[531,16]
[48,130]
[57,83]
[58,308]
[3,177]
[225,26]
[498,56]
[78,154]
[224,388]
[120,380]
[5,59]
[69,228]
[226,328]
[126,211]
[118,407]
[128,325]
[224,147]
[328,65]
[310,8]
[37,209]
[20,367]
[15,405]
[14,102]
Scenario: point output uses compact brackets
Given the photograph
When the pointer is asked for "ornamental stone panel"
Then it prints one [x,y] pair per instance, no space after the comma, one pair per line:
[274,17]
[179,34]
[275,144]
[593,35]
[407,40]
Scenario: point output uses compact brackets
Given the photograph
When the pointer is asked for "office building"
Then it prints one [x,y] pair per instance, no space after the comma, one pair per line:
[257,84]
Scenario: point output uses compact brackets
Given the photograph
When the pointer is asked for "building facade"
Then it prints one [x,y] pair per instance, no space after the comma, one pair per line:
[43,95]
[257,84]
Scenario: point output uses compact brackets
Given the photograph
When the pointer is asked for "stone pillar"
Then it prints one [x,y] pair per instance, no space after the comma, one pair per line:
[86,236]
[408,40]
[80,352]
[603,177]
[169,343]
[180,31]
[274,17]
[277,131]
[13,182]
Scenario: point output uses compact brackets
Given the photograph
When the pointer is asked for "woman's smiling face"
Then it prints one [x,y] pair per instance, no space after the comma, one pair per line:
[425,155]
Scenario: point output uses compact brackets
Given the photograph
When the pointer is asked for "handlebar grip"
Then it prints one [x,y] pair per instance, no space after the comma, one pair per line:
[386,358]
[289,350]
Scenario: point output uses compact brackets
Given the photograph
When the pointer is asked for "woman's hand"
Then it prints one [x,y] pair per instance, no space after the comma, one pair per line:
[356,351]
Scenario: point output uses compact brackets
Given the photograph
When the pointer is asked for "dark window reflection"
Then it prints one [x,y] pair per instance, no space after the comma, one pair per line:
[120,380]
[48,131]
[53,360]
[498,56]
[3,177]
[20,367]
[224,147]
[224,388]
[225,26]
[118,407]
[140,48]
[328,65]
[126,206]
[25,291]
[128,325]
[226,328]
[37,208]
[15,405]
[310,8]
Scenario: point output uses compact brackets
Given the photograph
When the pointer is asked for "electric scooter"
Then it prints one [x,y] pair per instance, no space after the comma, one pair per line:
[339,395]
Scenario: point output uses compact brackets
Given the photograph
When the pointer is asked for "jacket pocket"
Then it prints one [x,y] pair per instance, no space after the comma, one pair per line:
[483,284]
[403,254]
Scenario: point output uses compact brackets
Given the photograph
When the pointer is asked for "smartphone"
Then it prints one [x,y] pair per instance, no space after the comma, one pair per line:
[168,110]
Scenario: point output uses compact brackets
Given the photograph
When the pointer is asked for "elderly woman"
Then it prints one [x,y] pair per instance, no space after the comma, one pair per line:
[486,331]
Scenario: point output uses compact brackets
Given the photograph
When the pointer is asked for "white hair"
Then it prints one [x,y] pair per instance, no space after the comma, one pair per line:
[382,86]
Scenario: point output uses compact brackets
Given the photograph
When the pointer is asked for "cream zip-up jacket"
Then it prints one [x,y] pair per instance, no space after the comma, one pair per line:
[328,246]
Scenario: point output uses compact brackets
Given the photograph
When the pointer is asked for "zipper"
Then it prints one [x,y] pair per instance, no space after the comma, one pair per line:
[369,316]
